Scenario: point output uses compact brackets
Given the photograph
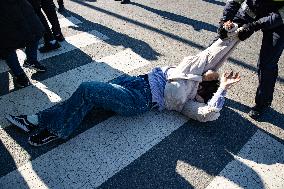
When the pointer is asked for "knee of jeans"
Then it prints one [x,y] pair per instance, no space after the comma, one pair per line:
[84,85]
[90,86]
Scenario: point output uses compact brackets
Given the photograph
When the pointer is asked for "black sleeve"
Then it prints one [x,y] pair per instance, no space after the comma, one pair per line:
[272,20]
[231,8]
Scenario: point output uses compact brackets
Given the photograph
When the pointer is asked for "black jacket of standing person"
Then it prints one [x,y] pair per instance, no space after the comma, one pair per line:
[267,16]
[19,25]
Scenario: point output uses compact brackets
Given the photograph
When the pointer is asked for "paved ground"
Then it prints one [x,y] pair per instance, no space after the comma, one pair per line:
[105,39]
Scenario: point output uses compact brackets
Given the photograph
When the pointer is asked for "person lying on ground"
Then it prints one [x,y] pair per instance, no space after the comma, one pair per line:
[127,96]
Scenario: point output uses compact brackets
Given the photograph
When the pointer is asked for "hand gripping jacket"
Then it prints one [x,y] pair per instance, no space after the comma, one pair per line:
[268,14]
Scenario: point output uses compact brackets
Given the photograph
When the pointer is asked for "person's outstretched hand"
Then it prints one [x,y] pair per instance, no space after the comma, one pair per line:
[228,79]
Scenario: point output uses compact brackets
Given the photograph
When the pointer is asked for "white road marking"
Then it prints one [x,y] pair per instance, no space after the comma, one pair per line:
[67,22]
[259,164]
[94,156]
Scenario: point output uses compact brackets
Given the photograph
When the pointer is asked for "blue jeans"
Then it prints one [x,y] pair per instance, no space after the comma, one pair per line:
[13,62]
[126,95]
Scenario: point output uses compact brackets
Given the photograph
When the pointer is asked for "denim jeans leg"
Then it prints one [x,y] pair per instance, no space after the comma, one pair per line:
[13,63]
[64,118]
[31,51]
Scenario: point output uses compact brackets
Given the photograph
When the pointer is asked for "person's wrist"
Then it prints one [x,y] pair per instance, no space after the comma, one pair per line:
[224,86]
[255,26]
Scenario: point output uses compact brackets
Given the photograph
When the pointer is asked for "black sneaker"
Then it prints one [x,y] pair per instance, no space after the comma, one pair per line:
[34,65]
[125,1]
[42,138]
[22,80]
[59,37]
[257,111]
[47,47]
[21,122]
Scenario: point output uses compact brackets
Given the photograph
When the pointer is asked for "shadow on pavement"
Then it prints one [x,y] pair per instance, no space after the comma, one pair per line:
[201,148]
[221,3]
[197,25]
[115,38]
[151,28]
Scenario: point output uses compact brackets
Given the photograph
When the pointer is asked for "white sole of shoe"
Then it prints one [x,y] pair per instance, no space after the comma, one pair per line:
[34,68]
[37,145]
[9,118]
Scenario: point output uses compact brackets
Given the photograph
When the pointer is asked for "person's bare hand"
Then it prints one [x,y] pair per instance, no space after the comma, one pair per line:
[228,79]
[228,25]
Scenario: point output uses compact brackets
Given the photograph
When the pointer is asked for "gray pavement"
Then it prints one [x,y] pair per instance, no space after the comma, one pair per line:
[155,150]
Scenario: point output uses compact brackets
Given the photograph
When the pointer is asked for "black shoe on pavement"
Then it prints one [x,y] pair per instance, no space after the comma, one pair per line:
[21,122]
[42,138]
[22,80]
[257,111]
[47,47]
[34,65]
[125,1]
[59,37]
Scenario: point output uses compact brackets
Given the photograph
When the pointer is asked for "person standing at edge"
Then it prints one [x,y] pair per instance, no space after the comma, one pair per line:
[20,27]
[49,41]
[251,16]
[48,8]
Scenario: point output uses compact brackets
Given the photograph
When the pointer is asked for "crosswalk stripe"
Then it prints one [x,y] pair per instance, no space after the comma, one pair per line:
[259,164]
[97,154]
[44,94]
[73,42]
[67,22]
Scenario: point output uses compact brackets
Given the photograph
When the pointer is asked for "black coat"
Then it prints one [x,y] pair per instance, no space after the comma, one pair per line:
[19,25]
[269,13]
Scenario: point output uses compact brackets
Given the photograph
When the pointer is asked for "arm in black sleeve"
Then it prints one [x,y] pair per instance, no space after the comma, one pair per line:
[271,21]
[231,8]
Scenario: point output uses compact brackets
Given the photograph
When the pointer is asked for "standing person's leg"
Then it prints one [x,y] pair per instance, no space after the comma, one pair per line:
[270,52]
[49,9]
[49,42]
[126,96]
[48,36]
[31,61]
[60,5]
[13,63]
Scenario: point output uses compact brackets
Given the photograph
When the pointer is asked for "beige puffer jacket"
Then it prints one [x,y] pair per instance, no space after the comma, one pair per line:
[184,79]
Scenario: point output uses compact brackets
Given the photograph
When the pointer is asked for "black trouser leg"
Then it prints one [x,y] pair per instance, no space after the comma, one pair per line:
[49,9]
[48,36]
[270,52]
[60,3]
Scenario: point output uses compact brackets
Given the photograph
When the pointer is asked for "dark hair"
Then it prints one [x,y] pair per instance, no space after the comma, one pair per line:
[207,89]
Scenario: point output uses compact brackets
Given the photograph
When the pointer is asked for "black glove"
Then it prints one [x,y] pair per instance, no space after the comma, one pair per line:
[221,30]
[247,30]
